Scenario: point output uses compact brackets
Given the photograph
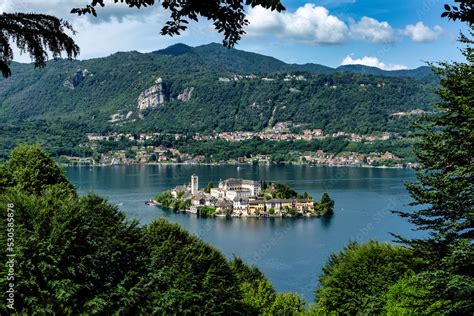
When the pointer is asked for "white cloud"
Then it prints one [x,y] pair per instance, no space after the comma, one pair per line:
[372,62]
[372,30]
[117,28]
[421,33]
[314,24]
[309,23]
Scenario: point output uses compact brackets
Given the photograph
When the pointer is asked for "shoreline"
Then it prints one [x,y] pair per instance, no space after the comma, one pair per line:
[188,212]
[234,164]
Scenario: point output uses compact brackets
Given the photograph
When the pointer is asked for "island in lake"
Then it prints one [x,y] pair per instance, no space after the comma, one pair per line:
[243,198]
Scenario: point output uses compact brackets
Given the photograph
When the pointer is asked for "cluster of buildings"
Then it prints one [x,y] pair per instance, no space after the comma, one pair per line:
[140,151]
[279,132]
[351,159]
[240,198]
[288,77]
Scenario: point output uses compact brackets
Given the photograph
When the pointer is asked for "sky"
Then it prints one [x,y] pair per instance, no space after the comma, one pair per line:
[389,34]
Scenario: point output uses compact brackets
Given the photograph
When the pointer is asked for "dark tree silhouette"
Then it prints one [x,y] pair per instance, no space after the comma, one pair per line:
[228,15]
[36,34]
[463,12]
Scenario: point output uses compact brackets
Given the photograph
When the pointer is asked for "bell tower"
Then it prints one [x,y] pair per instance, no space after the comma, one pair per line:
[194,184]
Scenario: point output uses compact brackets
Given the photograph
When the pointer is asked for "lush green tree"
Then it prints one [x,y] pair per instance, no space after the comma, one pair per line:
[446,290]
[287,304]
[259,296]
[32,170]
[184,275]
[210,185]
[71,255]
[355,280]
[306,195]
[152,157]
[81,255]
[244,272]
[5,177]
[207,211]
[445,188]
[445,196]
[282,191]
[326,205]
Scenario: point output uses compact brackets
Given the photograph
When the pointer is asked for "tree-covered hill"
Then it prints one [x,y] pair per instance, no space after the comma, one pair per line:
[68,95]
[244,62]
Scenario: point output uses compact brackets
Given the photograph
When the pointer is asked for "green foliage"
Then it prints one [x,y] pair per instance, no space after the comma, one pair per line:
[70,253]
[210,185]
[221,150]
[261,299]
[283,191]
[325,205]
[81,256]
[245,273]
[32,170]
[444,288]
[287,304]
[290,212]
[355,280]
[280,191]
[5,177]
[185,275]
[207,211]
[259,296]
[445,189]
[168,201]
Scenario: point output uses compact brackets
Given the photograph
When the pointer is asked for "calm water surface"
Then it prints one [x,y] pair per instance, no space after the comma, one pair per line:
[290,252]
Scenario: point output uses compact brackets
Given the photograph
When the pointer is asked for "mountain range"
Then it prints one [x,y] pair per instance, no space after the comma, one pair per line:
[203,89]
[245,62]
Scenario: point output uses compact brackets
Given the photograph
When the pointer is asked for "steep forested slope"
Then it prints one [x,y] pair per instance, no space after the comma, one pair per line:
[76,97]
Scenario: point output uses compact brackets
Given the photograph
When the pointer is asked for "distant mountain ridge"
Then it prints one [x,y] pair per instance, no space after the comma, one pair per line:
[266,64]
[204,89]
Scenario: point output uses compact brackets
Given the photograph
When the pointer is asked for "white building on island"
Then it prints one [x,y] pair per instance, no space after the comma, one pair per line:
[240,185]
[238,197]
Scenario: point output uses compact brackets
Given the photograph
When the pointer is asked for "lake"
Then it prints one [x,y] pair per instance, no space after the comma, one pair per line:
[290,252]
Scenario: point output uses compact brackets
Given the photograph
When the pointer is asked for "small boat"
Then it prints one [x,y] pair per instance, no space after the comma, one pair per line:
[152,202]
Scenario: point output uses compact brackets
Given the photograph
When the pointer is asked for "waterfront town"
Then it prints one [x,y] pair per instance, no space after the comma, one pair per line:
[239,198]
[142,151]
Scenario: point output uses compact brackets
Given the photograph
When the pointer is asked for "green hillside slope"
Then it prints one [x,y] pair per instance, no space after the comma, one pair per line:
[76,97]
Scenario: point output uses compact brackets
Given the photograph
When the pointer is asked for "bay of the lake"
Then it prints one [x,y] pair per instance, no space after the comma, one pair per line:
[290,252]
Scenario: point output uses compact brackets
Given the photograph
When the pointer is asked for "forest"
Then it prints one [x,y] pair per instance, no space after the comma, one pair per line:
[73,98]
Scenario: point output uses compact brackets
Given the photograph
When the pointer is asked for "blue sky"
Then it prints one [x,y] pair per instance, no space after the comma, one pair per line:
[388,34]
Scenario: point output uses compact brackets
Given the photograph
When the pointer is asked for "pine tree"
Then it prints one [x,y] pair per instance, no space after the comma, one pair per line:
[444,192]
[326,205]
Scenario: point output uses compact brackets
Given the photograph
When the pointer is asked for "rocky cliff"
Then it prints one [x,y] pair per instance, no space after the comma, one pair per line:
[152,97]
